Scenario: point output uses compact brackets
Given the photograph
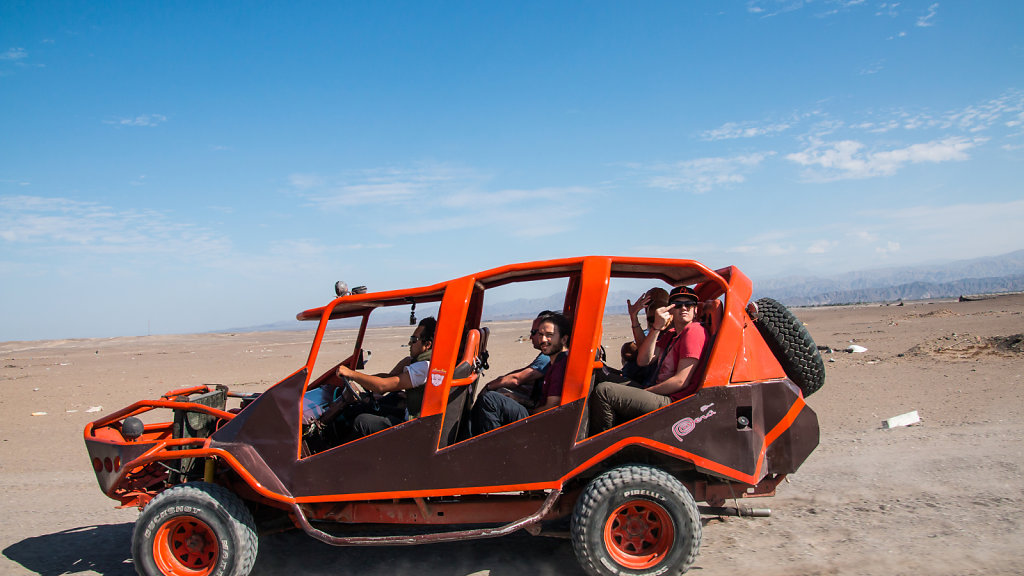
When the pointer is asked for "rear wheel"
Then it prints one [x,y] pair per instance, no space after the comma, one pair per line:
[194,529]
[635,520]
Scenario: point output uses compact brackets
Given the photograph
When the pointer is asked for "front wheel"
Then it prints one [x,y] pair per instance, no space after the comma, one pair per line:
[635,520]
[194,529]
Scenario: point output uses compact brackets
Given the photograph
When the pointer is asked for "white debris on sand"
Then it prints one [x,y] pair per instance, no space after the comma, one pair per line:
[908,419]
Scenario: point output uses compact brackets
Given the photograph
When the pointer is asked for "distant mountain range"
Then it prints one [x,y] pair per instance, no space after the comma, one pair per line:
[998,274]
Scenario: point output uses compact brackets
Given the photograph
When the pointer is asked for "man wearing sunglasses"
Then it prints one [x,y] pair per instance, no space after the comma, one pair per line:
[408,374]
[613,403]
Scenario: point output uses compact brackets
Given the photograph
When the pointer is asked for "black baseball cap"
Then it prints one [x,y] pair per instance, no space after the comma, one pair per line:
[681,294]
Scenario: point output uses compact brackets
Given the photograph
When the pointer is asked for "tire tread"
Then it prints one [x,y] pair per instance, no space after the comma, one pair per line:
[603,488]
[240,520]
[792,345]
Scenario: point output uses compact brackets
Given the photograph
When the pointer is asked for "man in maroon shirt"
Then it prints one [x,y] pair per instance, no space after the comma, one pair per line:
[493,409]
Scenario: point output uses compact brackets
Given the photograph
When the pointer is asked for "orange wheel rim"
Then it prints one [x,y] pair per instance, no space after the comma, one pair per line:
[639,534]
[185,546]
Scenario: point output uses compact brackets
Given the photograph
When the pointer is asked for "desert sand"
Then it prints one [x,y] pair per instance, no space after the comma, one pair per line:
[942,497]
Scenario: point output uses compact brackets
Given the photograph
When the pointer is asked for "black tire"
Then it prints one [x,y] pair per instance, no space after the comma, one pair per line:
[635,520]
[792,345]
[194,528]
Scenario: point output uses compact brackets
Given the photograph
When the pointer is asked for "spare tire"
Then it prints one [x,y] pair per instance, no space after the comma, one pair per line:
[792,345]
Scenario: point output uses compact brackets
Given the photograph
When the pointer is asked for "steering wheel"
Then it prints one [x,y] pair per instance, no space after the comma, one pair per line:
[349,392]
[349,395]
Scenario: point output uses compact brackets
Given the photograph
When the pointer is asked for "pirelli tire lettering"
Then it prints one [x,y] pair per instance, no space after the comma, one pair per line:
[643,493]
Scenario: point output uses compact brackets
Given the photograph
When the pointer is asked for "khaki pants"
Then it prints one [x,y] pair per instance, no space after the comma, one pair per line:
[612,404]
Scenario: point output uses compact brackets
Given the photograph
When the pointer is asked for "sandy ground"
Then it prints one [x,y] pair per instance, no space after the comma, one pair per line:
[941,497]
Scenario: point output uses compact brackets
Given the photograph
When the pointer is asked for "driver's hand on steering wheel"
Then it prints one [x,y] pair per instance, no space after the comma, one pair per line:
[344,371]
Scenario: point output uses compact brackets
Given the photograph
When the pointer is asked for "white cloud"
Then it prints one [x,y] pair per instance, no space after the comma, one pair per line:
[1006,110]
[1002,116]
[423,184]
[840,6]
[144,120]
[500,199]
[768,8]
[702,174]
[889,248]
[953,218]
[64,225]
[14,54]
[976,118]
[953,231]
[511,212]
[863,236]
[440,197]
[774,7]
[928,19]
[672,251]
[864,239]
[879,127]
[872,68]
[772,249]
[305,181]
[732,130]
[890,9]
[821,246]
[773,243]
[847,159]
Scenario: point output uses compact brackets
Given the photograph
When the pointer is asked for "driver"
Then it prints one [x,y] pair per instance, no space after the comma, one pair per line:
[409,373]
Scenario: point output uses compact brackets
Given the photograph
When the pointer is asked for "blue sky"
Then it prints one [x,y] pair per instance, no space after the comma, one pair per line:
[183,167]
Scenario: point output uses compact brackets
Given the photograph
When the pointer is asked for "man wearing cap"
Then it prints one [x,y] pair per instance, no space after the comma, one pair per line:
[615,403]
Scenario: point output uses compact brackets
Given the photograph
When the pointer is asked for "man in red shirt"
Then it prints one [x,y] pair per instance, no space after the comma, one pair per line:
[677,364]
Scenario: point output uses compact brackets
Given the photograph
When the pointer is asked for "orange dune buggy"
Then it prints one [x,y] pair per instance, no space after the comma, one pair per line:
[205,479]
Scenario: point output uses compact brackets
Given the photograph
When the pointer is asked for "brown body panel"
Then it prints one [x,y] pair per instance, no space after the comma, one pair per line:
[534,453]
